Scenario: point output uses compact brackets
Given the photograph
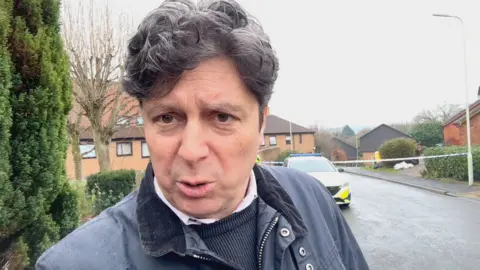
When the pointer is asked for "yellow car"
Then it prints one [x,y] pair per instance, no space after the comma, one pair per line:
[259,160]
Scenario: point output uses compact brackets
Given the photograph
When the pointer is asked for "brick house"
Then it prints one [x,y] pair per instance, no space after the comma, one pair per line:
[277,138]
[454,130]
[128,150]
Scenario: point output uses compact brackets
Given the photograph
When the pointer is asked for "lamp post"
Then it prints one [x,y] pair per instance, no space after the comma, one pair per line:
[356,146]
[292,141]
[467,104]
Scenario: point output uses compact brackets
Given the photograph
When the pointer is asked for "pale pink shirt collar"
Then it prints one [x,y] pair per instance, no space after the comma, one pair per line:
[188,220]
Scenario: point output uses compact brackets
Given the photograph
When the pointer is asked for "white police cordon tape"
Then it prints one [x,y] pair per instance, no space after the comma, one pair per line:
[379,160]
[272,162]
[397,159]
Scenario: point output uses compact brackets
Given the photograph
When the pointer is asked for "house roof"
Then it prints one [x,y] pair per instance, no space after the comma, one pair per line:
[460,117]
[131,132]
[349,150]
[371,141]
[384,125]
[344,141]
[277,125]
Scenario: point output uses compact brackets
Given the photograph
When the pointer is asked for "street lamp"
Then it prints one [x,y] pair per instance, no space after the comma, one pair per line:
[467,104]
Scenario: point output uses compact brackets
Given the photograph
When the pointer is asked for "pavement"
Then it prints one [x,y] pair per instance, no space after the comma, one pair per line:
[402,227]
[433,185]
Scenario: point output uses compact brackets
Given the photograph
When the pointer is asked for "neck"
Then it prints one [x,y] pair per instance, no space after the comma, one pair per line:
[246,196]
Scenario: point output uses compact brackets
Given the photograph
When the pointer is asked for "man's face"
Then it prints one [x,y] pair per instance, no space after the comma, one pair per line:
[203,139]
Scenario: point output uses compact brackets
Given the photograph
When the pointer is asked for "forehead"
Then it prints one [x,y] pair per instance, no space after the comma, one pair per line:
[213,79]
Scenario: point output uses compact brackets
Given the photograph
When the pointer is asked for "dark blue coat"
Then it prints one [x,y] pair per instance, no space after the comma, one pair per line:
[299,227]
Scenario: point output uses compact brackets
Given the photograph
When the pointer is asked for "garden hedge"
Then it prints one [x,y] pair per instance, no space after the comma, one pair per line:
[452,167]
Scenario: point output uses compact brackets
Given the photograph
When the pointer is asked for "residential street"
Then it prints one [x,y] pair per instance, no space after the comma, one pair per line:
[400,227]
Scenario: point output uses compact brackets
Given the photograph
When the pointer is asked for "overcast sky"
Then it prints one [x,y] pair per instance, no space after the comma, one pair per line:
[364,62]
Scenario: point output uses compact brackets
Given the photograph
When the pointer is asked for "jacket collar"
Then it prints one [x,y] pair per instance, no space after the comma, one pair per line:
[161,231]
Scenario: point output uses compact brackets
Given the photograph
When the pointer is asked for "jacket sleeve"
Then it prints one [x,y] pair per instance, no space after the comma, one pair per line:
[347,245]
[42,264]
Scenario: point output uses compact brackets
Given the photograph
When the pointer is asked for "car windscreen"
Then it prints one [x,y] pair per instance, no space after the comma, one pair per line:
[312,165]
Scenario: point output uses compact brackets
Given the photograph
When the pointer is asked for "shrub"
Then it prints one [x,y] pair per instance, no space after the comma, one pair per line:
[65,210]
[119,182]
[108,188]
[19,255]
[283,155]
[35,100]
[429,133]
[451,167]
[397,148]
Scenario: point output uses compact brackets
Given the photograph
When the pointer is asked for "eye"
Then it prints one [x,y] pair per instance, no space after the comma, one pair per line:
[166,118]
[223,117]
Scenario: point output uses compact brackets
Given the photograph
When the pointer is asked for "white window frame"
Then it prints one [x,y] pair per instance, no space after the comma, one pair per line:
[123,122]
[140,122]
[144,148]
[288,139]
[88,151]
[274,139]
[120,149]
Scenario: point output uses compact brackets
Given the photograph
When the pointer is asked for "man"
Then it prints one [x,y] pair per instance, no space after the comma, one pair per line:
[203,74]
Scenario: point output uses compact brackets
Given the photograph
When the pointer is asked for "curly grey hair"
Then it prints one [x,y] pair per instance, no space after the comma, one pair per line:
[180,34]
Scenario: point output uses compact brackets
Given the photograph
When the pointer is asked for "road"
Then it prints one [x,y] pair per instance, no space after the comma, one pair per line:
[400,227]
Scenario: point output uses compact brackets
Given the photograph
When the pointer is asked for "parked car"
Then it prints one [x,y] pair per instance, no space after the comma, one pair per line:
[325,172]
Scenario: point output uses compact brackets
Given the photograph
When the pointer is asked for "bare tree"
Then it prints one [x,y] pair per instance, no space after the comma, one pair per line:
[323,141]
[74,129]
[96,49]
[363,132]
[441,113]
[405,127]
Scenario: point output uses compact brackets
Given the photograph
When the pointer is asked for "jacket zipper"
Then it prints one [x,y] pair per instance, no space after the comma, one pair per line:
[201,257]
[264,241]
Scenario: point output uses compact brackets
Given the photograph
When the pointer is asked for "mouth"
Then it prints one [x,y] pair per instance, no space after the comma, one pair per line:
[195,189]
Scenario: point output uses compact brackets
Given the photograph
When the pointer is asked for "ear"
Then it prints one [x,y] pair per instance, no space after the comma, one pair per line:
[262,128]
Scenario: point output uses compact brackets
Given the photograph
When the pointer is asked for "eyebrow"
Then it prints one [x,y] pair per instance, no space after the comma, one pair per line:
[162,107]
[224,107]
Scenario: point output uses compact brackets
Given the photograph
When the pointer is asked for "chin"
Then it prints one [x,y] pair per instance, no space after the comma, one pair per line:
[199,210]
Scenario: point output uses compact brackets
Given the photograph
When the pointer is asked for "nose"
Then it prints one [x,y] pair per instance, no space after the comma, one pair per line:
[193,147]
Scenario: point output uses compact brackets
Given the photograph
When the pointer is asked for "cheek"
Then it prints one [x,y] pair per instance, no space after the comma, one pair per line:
[237,149]
[161,147]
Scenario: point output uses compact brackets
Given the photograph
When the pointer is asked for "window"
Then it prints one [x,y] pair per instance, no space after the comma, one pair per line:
[301,139]
[288,140]
[139,121]
[145,152]
[124,149]
[273,140]
[88,151]
[263,141]
[123,121]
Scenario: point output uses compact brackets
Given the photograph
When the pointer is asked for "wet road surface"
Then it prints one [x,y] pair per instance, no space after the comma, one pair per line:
[400,227]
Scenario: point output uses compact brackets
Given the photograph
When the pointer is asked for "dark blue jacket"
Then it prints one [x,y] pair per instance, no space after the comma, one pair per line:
[299,227]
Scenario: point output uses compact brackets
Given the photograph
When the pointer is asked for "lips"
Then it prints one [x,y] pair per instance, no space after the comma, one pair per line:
[195,189]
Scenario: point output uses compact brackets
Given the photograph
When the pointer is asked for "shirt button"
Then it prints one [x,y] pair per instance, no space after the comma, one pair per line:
[284,232]
[302,252]
[309,266]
